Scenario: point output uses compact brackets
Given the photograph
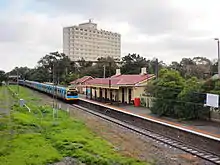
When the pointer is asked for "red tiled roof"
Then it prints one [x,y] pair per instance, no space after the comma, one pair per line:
[120,80]
[81,80]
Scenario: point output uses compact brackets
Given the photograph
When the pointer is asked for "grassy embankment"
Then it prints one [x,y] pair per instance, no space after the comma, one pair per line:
[39,139]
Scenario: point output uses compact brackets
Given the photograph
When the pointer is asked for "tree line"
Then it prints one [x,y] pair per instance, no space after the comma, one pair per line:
[179,97]
[179,90]
[57,66]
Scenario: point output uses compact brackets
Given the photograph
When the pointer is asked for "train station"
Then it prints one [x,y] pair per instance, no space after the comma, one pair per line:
[109,83]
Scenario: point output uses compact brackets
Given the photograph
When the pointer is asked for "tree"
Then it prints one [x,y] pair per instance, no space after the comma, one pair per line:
[203,67]
[2,76]
[175,66]
[84,64]
[165,90]
[56,64]
[191,101]
[176,97]
[97,70]
[23,72]
[132,64]
[39,74]
[70,77]
[199,67]
[214,67]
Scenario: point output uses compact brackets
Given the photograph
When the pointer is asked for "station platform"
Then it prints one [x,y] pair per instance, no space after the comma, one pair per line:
[206,127]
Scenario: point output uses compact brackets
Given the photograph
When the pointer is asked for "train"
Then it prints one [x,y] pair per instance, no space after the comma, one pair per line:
[68,94]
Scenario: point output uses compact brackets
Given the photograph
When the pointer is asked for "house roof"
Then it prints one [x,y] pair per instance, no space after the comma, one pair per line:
[81,80]
[120,80]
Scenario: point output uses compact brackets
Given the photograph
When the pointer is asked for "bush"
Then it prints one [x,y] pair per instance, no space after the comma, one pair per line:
[178,98]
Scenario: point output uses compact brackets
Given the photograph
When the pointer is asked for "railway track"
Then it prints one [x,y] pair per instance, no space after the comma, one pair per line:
[138,125]
[210,157]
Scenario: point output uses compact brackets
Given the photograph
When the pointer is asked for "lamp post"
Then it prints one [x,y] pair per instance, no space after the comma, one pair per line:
[104,72]
[17,82]
[217,39]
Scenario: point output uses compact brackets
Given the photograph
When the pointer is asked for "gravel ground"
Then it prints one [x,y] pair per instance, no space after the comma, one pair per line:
[129,143]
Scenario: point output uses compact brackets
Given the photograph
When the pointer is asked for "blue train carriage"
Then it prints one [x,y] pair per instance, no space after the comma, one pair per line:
[21,82]
[71,94]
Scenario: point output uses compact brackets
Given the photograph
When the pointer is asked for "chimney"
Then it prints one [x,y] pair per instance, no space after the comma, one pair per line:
[118,72]
[143,71]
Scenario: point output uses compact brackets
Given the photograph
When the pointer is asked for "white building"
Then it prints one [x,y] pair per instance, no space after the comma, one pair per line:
[86,41]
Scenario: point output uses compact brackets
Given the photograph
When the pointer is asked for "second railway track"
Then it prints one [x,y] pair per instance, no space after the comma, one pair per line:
[105,114]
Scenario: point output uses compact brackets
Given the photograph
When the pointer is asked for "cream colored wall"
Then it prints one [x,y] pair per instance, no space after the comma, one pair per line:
[120,94]
[138,91]
[135,93]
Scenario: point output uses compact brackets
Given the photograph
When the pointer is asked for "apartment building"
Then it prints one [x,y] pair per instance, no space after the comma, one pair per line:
[87,41]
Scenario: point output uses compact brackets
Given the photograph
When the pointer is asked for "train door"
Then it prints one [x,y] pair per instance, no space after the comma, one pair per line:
[123,95]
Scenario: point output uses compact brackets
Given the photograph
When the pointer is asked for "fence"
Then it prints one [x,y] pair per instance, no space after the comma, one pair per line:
[146,101]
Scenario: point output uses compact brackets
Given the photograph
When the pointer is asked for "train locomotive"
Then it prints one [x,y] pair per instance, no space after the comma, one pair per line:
[68,94]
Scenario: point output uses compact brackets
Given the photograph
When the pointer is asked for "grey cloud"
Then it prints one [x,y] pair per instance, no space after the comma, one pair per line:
[9,32]
[173,48]
[152,17]
[36,36]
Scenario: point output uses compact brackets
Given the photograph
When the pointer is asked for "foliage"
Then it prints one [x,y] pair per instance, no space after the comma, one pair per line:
[70,77]
[199,67]
[53,64]
[2,76]
[191,101]
[97,70]
[166,89]
[28,149]
[176,97]
[40,139]
[23,72]
[56,64]
[212,86]
[132,64]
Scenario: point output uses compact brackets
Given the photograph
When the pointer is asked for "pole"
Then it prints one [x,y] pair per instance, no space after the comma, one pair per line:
[110,82]
[17,82]
[104,72]
[156,68]
[218,59]
[217,39]
[53,84]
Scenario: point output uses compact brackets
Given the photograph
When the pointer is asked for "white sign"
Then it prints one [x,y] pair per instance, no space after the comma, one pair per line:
[212,100]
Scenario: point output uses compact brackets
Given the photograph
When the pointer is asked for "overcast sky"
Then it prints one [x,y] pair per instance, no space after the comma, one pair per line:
[166,29]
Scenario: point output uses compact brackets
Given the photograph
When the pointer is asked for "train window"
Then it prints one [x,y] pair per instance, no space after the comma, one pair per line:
[72,93]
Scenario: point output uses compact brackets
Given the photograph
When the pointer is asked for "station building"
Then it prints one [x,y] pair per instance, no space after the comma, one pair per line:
[118,88]
[81,83]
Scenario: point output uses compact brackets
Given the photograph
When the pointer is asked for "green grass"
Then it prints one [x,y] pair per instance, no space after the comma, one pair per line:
[36,140]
